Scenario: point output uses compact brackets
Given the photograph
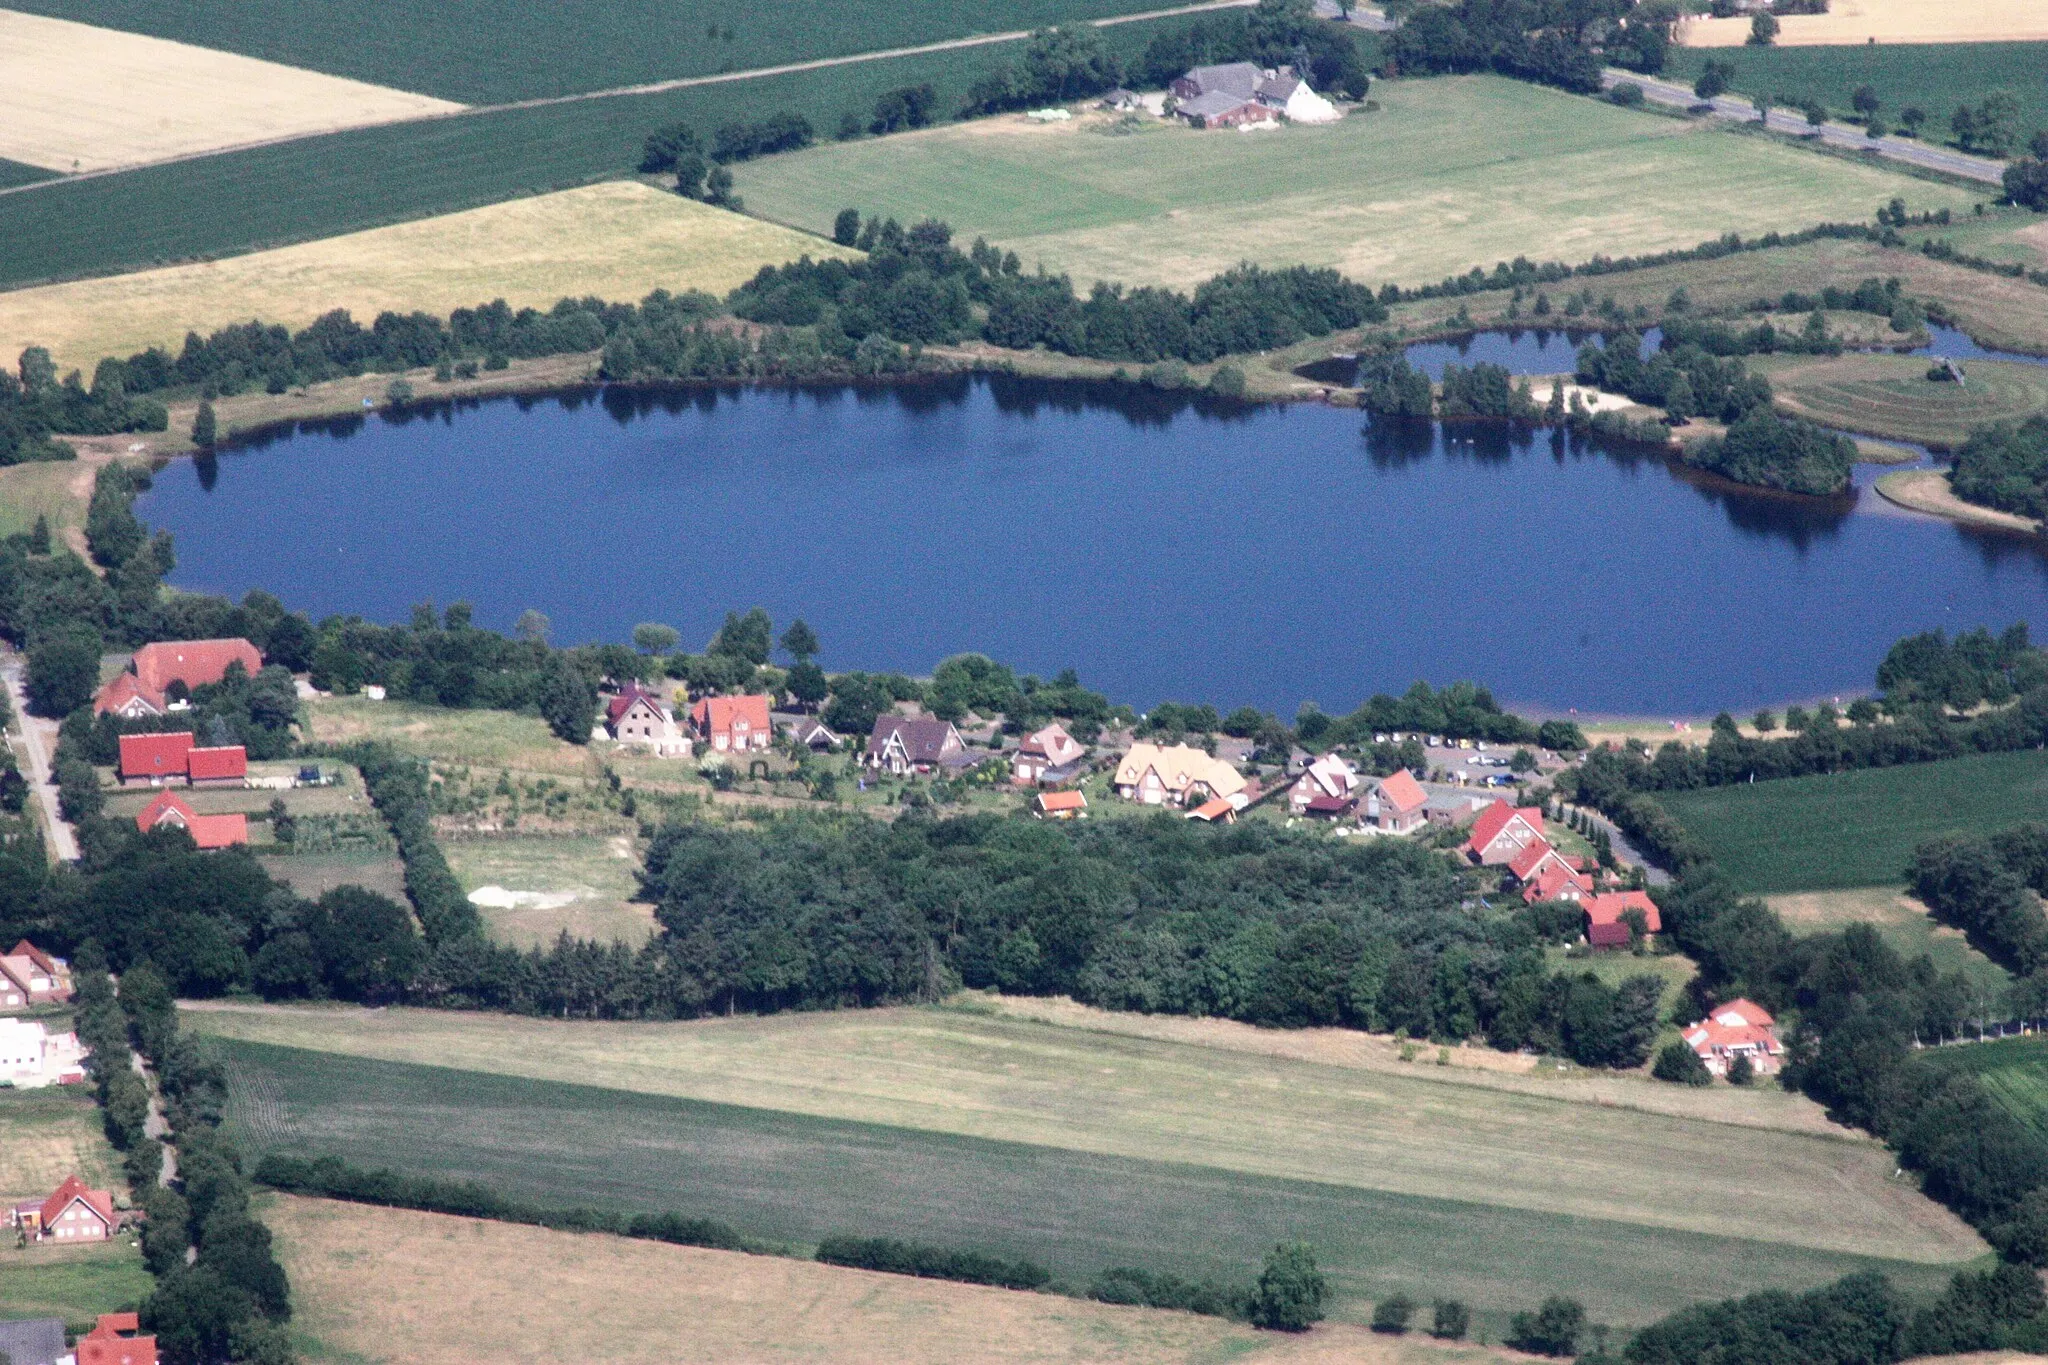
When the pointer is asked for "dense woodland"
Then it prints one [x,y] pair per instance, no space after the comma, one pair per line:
[1553,42]
[2005,465]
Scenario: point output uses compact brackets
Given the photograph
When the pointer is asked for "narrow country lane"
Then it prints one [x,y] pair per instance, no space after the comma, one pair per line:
[39,739]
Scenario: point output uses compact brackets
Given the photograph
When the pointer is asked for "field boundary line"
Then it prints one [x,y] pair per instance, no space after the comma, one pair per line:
[628,91]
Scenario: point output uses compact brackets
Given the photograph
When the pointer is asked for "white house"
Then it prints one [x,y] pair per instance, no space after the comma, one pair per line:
[31,1056]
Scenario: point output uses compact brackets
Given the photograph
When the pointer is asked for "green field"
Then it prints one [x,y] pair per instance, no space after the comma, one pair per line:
[76,1284]
[534,51]
[1899,920]
[2013,1070]
[798,1178]
[1449,174]
[599,873]
[1937,77]
[313,874]
[1891,395]
[15,173]
[1857,828]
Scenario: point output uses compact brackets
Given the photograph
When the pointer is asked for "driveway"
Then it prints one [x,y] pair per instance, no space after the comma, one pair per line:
[39,738]
[1738,108]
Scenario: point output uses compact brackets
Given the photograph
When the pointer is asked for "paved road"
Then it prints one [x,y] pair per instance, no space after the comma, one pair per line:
[40,739]
[1739,108]
[651,88]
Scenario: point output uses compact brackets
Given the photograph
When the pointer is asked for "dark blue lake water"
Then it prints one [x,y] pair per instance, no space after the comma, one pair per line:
[1163,547]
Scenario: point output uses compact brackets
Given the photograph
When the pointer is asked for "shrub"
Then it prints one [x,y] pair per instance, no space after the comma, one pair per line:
[1393,1314]
[1678,1063]
[932,1263]
[1626,94]
[1552,1330]
[1451,1320]
[1741,1071]
[1291,1290]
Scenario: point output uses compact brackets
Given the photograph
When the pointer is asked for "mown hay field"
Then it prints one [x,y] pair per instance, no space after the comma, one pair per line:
[491,51]
[585,883]
[75,1283]
[2013,1070]
[1933,76]
[1885,21]
[1899,919]
[48,1134]
[1358,1119]
[795,1179]
[1856,828]
[1891,395]
[617,240]
[469,738]
[1448,174]
[381,1284]
[74,97]
[312,875]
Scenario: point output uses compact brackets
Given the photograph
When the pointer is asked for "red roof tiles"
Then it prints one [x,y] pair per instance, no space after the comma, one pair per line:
[73,1189]
[194,663]
[207,831]
[1403,791]
[1608,908]
[214,765]
[155,755]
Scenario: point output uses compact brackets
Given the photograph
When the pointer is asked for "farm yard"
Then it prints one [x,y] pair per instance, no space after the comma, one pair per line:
[617,240]
[1084,1149]
[1856,828]
[459,1289]
[74,97]
[1424,188]
[1891,395]
[1884,22]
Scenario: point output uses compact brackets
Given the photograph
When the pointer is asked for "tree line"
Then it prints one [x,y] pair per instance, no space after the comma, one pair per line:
[1550,42]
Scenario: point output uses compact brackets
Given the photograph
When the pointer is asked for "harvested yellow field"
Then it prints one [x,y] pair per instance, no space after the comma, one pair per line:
[75,97]
[1886,21]
[618,240]
[376,1285]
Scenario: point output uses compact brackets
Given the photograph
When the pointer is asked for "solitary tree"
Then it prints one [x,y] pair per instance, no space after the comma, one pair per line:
[568,700]
[532,625]
[204,431]
[846,227]
[1741,1071]
[1866,101]
[1393,1314]
[1910,119]
[1763,109]
[1451,1320]
[652,637]
[1763,30]
[1713,80]
[800,642]
[1291,1290]
[807,685]
[39,538]
[1765,722]
[1552,1330]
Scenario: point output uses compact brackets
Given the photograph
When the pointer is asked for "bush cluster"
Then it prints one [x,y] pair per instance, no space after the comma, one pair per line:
[931,1262]
[2005,465]
[1788,454]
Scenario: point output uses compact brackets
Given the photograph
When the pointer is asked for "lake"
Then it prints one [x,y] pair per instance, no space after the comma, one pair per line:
[1163,546]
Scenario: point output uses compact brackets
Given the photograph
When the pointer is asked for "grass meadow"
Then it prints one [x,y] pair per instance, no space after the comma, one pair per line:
[796,1178]
[2013,1070]
[1450,173]
[1899,919]
[1936,77]
[46,1135]
[76,1283]
[537,51]
[479,738]
[617,240]
[313,874]
[599,873]
[1891,395]
[449,1291]
[1857,828]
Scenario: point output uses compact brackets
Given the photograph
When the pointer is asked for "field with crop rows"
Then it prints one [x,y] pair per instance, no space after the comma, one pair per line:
[2013,1070]
[1080,1148]
[1936,77]
[1891,395]
[1856,828]
[492,51]
[455,1290]
[1448,174]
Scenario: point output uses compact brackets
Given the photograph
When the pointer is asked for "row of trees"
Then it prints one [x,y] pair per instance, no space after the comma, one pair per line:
[1988,888]
[1553,42]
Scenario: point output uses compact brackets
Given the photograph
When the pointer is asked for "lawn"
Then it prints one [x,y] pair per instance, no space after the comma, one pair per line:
[74,1283]
[1900,920]
[582,884]
[2014,1070]
[797,1178]
[376,1283]
[540,50]
[1936,77]
[48,1134]
[1429,186]
[1891,395]
[1857,828]
[312,874]
[483,738]
[617,240]
[57,491]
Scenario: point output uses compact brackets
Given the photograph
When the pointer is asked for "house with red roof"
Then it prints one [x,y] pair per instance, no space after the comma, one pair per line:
[1605,925]
[1740,1028]
[117,1339]
[641,718]
[1047,757]
[1547,875]
[168,809]
[1394,805]
[225,766]
[732,724]
[30,976]
[1064,805]
[156,759]
[145,689]
[1502,832]
[74,1212]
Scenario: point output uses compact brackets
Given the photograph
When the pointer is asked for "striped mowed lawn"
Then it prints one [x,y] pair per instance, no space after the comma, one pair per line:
[1086,1149]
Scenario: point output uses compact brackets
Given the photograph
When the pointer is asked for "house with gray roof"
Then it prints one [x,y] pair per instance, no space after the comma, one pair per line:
[33,1341]
[1237,94]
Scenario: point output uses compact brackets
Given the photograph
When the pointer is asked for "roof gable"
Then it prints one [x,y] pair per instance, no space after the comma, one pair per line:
[1403,792]
[726,715]
[122,694]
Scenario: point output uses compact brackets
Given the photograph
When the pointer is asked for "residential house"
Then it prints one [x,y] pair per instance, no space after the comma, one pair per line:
[1181,775]
[1066,805]
[1501,833]
[117,1339]
[1289,93]
[812,734]
[639,717]
[30,976]
[225,766]
[1329,785]
[732,724]
[1394,805]
[921,744]
[1740,1028]
[32,1057]
[74,1212]
[1605,925]
[1047,757]
[156,759]
[33,1341]
[207,831]
[1544,874]
[145,689]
